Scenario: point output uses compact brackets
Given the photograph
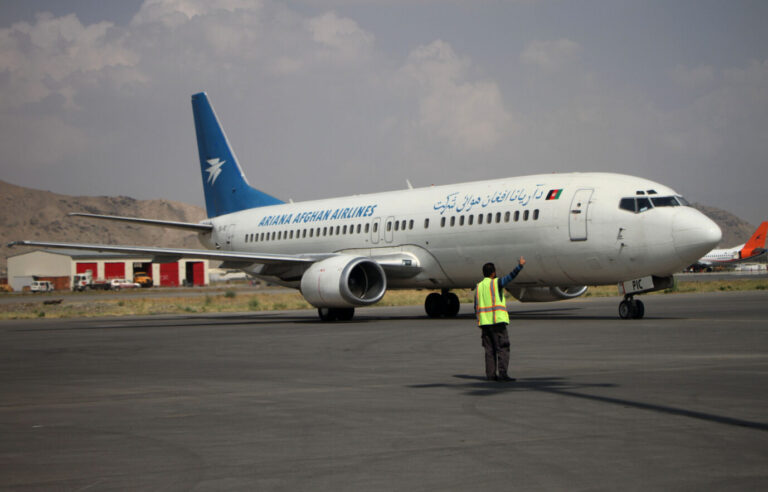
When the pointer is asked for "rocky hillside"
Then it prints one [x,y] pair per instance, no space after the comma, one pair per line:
[41,215]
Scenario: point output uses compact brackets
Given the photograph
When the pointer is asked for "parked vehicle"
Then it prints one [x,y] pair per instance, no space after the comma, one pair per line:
[143,279]
[121,283]
[41,286]
[82,281]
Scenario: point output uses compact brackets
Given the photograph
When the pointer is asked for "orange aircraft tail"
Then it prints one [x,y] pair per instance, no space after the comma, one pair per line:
[756,244]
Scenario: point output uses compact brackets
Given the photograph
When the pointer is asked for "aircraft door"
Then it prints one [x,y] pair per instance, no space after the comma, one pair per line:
[375,226]
[577,221]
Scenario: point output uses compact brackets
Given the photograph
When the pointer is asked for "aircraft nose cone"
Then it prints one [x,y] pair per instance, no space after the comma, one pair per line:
[694,234]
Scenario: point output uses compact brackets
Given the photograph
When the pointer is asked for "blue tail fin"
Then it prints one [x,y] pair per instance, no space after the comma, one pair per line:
[225,186]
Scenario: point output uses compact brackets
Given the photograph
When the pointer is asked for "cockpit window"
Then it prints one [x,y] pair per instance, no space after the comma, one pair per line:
[639,204]
[665,201]
[643,204]
[627,204]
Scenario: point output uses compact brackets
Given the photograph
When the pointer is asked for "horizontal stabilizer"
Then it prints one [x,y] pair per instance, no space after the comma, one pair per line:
[188,226]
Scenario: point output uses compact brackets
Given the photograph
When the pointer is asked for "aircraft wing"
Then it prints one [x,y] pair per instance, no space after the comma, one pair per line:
[171,254]
[397,265]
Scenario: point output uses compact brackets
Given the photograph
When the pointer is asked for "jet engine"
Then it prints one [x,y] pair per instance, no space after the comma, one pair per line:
[344,281]
[546,294]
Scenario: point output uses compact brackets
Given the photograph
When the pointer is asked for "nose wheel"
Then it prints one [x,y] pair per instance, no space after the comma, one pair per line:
[631,308]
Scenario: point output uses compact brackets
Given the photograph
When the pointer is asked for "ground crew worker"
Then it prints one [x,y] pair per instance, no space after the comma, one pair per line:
[492,319]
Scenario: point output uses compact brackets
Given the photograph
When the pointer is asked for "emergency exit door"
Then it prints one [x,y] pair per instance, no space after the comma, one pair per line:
[577,222]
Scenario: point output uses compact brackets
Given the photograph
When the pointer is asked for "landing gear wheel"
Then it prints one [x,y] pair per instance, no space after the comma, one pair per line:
[451,304]
[433,305]
[326,314]
[336,314]
[631,308]
[625,310]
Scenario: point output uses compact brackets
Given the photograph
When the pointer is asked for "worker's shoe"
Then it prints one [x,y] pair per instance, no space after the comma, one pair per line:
[505,379]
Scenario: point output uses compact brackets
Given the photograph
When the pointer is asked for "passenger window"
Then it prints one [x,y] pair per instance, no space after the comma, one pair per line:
[304,233]
[426,223]
[479,219]
[506,217]
[375,227]
[389,226]
[344,230]
[525,215]
[358,229]
[325,231]
[442,222]
[338,230]
[274,235]
[471,219]
[330,231]
[246,238]
[536,214]
[489,218]
[461,220]
[517,215]
[410,225]
[402,225]
[453,220]
[498,217]
[397,225]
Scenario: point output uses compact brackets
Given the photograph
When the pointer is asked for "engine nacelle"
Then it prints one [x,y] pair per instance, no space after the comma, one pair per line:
[546,294]
[344,281]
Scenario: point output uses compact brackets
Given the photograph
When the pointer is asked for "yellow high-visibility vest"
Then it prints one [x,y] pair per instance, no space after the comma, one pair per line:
[491,305]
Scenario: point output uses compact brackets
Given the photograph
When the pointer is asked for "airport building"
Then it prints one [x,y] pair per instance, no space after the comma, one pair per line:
[59,267]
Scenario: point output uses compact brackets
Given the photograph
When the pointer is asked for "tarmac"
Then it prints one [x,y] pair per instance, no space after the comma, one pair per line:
[391,400]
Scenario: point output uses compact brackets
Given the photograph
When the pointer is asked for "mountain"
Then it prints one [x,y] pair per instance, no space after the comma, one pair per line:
[42,215]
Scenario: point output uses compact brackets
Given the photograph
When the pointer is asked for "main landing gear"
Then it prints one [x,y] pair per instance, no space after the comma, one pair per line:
[631,308]
[443,304]
[336,314]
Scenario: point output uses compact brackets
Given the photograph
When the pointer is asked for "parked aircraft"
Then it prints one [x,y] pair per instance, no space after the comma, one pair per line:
[574,229]
[752,250]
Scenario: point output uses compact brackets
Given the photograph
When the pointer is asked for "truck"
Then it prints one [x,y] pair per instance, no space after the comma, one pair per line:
[83,281]
[142,279]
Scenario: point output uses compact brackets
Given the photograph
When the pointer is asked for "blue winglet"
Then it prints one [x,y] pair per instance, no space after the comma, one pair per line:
[226,189]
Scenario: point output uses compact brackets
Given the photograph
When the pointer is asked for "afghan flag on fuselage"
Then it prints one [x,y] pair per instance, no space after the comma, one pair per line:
[554,194]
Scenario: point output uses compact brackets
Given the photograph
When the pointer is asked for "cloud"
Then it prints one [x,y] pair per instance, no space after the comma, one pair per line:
[551,55]
[340,39]
[469,115]
[58,55]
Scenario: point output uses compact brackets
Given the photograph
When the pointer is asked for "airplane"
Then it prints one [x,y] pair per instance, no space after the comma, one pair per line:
[574,229]
[751,251]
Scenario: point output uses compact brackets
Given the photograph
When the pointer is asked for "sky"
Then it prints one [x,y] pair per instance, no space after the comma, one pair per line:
[323,98]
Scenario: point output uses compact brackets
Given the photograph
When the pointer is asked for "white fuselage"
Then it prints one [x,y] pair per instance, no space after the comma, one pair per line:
[577,236]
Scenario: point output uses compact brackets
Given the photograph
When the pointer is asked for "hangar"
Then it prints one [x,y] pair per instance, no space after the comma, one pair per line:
[59,266]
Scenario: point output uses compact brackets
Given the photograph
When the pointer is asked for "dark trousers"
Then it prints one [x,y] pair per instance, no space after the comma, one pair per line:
[496,345]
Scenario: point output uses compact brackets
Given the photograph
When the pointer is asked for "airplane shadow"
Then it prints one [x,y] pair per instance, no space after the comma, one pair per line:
[479,386]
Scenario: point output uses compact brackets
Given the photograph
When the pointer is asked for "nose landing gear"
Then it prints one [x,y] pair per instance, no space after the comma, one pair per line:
[631,308]
[444,304]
